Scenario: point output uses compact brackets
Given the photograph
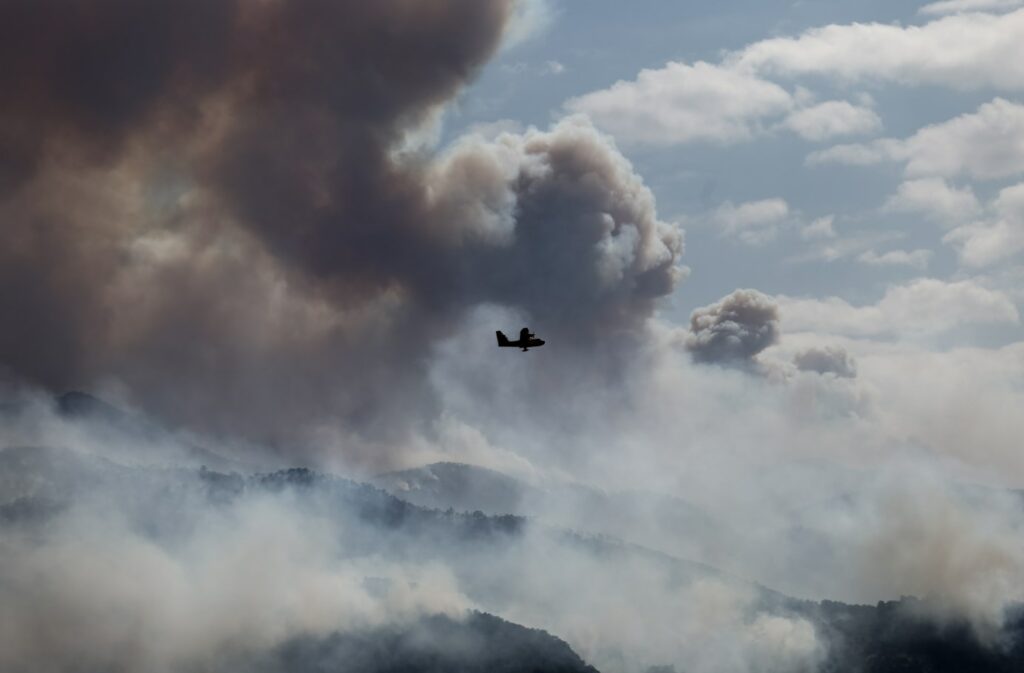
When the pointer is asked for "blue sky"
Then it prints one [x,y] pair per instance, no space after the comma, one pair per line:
[877,240]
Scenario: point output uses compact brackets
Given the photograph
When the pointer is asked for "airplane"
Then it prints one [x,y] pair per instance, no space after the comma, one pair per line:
[526,340]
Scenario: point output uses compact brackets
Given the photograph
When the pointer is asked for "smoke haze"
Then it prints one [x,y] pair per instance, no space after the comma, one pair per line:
[233,222]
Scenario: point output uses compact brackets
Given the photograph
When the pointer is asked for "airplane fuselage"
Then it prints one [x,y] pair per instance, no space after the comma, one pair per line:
[525,342]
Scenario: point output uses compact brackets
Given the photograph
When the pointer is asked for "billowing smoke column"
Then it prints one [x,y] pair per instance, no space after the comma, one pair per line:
[827,360]
[215,203]
[735,329]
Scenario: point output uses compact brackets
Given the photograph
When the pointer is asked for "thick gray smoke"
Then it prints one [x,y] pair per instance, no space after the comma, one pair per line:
[194,599]
[214,204]
[218,210]
[826,360]
[734,329]
[115,566]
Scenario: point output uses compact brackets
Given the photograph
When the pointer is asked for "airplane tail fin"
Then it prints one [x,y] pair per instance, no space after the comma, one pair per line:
[502,339]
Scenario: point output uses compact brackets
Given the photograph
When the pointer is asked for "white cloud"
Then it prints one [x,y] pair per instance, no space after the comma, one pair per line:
[552,68]
[530,19]
[986,242]
[885,149]
[935,198]
[1006,277]
[543,69]
[922,307]
[491,130]
[917,259]
[732,101]
[958,6]
[986,144]
[964,51]
[682,103]
[754,222]
[833,249]
[821,228]
[833,118]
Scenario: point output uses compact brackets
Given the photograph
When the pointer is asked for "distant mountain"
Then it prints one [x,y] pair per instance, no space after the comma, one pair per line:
[141,438]
[663,522]
[482,643]
[462,487]
[51,474]
[39,485]
[491,558]
[886,638]
[76,404]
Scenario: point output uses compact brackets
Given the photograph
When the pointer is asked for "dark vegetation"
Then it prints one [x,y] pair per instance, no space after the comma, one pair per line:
[481,644]
[900,637]
[369,504]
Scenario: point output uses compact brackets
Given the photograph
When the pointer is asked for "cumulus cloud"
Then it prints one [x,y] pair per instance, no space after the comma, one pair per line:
[922,307]
[834,248]
[753,222]
[963,51]
[987,144]
[826,360]
[821,228]
[982,244]
[684,103]
[917,259]
[935,198]
[989,241]
[738,98]
[857,154]
[831,119]
[734,329]
[958,6]
[172,227]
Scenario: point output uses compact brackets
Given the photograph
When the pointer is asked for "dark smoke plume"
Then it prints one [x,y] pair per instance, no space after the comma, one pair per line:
[735,329]
[216,204]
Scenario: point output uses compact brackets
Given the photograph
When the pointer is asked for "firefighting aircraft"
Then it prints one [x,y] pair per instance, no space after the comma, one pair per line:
[526,340]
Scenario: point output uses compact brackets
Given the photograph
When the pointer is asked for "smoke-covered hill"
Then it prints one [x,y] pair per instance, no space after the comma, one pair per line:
[901,636]
[480,643]
[329,575]
[334,575]
[654,520]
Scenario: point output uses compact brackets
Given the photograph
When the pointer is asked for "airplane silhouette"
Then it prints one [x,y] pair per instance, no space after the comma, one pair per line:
[526,340]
